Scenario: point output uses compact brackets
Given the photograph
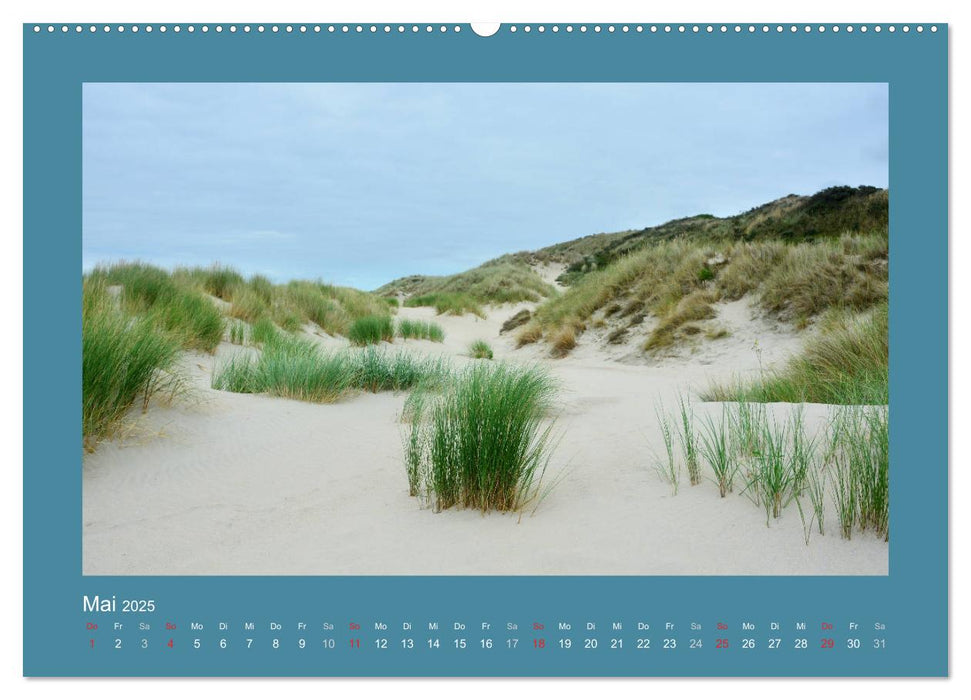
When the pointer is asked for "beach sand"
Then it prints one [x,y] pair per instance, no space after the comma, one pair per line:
[221,483]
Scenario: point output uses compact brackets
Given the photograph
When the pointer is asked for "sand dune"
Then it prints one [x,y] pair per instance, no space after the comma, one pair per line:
[222,483]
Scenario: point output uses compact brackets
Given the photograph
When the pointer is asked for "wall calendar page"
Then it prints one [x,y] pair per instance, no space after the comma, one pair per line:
[537,349]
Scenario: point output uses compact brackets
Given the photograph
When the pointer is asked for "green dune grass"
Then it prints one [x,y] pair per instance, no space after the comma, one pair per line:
[220,281]
[287,367]
[677,281]
[504,280]
[370,330]
[152,293]
[263,331]
[859,453]
[452,303]
[480,350]
[421,330]
[123,359]
[299,369]
[248,304]
[190,318]
[485,443]
[847,363]
[782,463]
[378,370]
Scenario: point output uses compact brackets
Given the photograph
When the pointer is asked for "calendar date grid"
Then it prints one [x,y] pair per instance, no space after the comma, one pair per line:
[433,636]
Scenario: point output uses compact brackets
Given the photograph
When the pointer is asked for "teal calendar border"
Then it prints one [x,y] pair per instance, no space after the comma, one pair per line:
[913,599]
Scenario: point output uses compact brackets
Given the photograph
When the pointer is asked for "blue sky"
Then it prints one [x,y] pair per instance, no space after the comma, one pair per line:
[357,184]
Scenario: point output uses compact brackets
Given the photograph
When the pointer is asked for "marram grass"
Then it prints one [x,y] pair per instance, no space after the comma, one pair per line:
[453,303]
[248,305]
[263,331]
[136,317]
[262,288]
[485,443]
[220,281]
[669,469]
[370,330]
[237,333]
[689,442]
[859,457]
[239,374]
[716,448]
[312,304]
[377,370]
[287,367]
[847,363]
[190,318]
[298,369]
[182,311]
[419,330]
[141,284]
[122,359]
[775,457]
[673,281]
[781,462]
[480,350]
[773,475]
[499,281]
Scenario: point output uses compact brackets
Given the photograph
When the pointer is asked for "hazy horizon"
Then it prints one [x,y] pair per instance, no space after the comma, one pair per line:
[358,184]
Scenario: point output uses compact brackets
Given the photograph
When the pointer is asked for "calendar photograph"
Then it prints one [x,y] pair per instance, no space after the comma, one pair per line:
[483,329]
[510,350]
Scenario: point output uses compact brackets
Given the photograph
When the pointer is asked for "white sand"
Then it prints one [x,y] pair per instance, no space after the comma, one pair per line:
[235,484]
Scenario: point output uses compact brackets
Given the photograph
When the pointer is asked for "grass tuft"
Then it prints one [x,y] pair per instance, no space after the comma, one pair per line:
[287,367]
[239,375]
[480,350]
[420,330]
[248,304]
[531,333]
[563,341]
[182,311]
[452,303]
[237,333]
[370,330]
[860,460]
[122,359]
[520,318]
[676,280]
[141,285]
[297,368]
[377,370]
[694,307]
[717,449]
[220,281]
[262,287]
[483,444]
[817,497]
[504,280]
[317,307]
[670,469]
[263,331]
[782,462]
[689,442]
[847,364]
[190,318]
